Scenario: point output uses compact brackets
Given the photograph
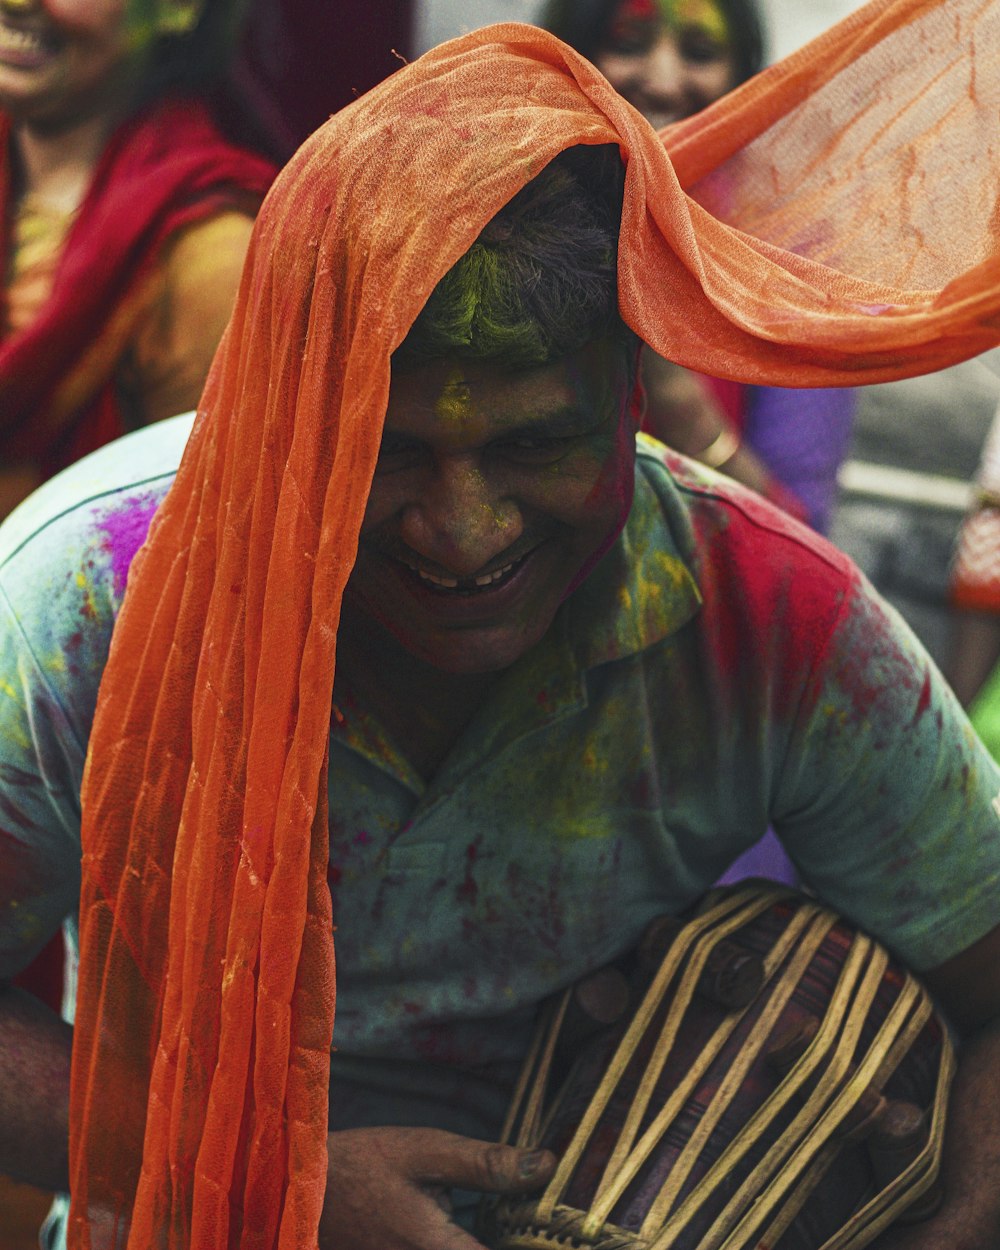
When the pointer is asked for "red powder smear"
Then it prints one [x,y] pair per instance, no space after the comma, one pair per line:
[468,891]
[770,596]
[925,699]
[125,530]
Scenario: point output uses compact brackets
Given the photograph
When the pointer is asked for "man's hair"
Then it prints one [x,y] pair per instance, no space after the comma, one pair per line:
[583,24]
[541,280]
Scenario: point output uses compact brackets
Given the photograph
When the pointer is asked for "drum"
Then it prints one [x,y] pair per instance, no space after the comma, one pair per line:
[782,1084]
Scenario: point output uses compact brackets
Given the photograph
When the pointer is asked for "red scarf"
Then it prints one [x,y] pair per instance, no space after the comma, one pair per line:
[161,171]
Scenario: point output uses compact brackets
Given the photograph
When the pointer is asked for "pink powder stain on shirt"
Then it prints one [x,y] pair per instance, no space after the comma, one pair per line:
[125,530]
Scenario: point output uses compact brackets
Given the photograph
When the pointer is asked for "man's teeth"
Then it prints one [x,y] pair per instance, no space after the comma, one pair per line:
[451,583]
[448,582]
[495,576]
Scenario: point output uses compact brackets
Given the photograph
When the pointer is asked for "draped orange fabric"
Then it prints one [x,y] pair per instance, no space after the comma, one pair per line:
[833,222]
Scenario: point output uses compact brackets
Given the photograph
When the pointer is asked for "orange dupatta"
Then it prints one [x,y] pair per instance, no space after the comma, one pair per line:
[832,222]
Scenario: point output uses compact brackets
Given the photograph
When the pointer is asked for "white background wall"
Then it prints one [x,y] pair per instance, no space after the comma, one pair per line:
[790,23]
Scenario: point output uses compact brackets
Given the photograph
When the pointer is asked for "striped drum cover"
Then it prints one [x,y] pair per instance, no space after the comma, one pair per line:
[781,1085]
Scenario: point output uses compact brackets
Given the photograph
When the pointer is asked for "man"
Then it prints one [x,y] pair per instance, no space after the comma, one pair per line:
[571,683]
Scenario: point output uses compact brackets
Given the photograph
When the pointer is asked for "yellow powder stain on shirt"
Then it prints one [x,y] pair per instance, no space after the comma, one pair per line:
[595,760]
[55,663]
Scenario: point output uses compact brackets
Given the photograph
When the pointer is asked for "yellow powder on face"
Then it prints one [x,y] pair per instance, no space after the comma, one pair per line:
[455,401]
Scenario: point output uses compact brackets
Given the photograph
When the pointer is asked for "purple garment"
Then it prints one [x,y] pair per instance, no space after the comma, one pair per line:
[802,436]
[766,858]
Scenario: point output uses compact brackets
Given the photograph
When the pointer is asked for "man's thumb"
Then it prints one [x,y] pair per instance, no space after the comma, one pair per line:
[442,1158]
[507,1170]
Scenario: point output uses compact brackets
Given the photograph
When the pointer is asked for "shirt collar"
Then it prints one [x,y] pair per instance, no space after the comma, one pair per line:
[644,589]
[641,592]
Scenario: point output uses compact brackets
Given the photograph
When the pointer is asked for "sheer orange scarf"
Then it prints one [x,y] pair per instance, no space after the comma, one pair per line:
[834,221]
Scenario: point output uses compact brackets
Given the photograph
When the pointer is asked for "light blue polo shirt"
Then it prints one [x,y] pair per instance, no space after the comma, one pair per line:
[721,669]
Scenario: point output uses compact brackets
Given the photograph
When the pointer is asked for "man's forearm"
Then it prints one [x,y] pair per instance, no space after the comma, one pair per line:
[34,1090]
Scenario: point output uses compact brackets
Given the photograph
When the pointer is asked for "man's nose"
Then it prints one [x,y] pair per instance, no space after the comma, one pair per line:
[460,521]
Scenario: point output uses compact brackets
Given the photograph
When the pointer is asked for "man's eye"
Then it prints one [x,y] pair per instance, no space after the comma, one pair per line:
[394,455]
[535,449]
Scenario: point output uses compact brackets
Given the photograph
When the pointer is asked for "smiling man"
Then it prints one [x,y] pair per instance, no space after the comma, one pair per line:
[424,645]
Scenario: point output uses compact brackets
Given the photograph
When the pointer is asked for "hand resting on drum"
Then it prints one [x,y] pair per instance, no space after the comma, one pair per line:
[387,1187]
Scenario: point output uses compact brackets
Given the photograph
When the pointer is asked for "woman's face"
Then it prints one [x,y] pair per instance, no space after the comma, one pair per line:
[668,58]
[65,61]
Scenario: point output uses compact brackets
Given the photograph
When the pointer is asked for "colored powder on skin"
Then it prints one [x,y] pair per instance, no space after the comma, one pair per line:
[454,404]
[675,15]
[701,13]
[124,531]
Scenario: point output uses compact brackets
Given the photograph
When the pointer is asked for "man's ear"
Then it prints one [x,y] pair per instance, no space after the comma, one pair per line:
[178,17]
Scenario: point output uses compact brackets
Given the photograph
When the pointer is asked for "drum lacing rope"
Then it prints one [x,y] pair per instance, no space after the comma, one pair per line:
[776,1188]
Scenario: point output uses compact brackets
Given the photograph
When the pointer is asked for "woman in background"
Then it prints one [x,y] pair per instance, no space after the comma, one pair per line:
[670,59]
[126,215]
[974,664]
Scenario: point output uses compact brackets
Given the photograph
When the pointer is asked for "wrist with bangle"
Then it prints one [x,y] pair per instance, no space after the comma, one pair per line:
[720,450]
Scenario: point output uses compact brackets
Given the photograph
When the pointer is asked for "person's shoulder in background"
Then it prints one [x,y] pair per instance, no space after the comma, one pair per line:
[187,308]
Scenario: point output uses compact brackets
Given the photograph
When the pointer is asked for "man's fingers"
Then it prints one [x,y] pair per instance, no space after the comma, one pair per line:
[446,1159]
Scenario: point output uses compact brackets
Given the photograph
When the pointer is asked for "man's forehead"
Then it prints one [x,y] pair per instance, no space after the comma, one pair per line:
[450,394]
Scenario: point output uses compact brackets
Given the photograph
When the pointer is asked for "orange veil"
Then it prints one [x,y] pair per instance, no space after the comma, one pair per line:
[834,221]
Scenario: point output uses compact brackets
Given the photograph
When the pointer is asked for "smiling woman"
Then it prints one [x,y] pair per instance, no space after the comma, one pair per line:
[128,214]
[671,59]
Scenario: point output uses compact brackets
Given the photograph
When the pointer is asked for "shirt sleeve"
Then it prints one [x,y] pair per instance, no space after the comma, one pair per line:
[887,801]
[55,626]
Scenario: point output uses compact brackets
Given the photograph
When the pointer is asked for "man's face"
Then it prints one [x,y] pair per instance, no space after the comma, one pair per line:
[494,493]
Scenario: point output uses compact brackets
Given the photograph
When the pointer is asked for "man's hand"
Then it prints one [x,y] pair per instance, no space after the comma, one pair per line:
[387,1187]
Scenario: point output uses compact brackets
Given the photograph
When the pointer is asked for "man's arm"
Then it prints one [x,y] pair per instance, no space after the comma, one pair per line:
[34,1090]
[968,989]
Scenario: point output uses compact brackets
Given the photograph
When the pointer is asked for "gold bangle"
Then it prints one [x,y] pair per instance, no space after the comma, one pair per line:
[721,449]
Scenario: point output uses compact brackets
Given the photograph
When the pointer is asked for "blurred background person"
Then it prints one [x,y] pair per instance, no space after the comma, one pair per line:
[301,60]
[670,59]
[127,212]
[974,667]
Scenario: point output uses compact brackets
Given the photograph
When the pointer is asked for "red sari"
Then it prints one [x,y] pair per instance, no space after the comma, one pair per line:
[162,170]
